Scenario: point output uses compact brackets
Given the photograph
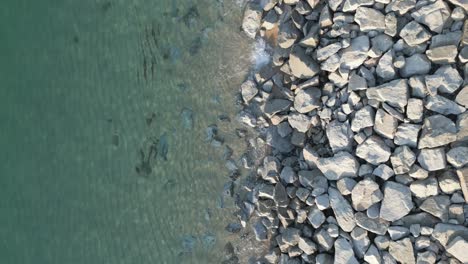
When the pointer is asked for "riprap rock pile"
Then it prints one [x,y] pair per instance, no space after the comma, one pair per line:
[364,107]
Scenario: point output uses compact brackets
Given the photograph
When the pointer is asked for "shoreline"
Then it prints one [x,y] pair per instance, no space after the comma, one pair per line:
[362,133]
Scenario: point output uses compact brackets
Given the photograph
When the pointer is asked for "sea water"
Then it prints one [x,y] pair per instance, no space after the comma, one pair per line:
[103,116]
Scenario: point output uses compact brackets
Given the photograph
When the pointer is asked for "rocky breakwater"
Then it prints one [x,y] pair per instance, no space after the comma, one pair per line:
[363,106]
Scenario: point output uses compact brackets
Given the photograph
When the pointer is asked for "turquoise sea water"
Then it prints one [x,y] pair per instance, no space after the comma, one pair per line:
[89,90]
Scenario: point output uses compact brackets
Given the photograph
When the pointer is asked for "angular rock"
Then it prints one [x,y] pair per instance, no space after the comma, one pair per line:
[448,182]
[373,150]
[252,19]
[414,34]
[291,236]
[327,51]
[316,217]
[402,251]
[276,105]
[365,193]
[424,188]
[339,166]
[339,136]
[302,66]
[462,96]
[432,159]
[307,245]
[357,82]
[417,64]
[458,157]
[407,134]
[437,131]
[344,252]
[398,232]
[288,34]
[353,56]
[345,185]
[261,233]
[376,226]
[394,93]
[462,127]
[342,209]
[323,238]
[307,100]
[300,122]
[396,202]
[363,118]
[434,15]
[418,172]
[457,247]
[369,19]
[288,175]
[249,90]
[280,196]
[385,124]
[385,69]
[383,171]
[402,159]
[437,206]
[414,110]
[463,177]
[442,55]
[372,255]
[445,80]
[444,233]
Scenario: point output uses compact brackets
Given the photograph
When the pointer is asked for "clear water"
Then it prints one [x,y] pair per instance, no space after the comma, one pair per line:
[85,86]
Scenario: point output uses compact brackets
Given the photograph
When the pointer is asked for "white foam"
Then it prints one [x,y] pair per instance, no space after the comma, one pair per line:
[260,55]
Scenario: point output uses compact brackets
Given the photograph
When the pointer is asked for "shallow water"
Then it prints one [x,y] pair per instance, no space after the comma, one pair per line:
[86,88]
